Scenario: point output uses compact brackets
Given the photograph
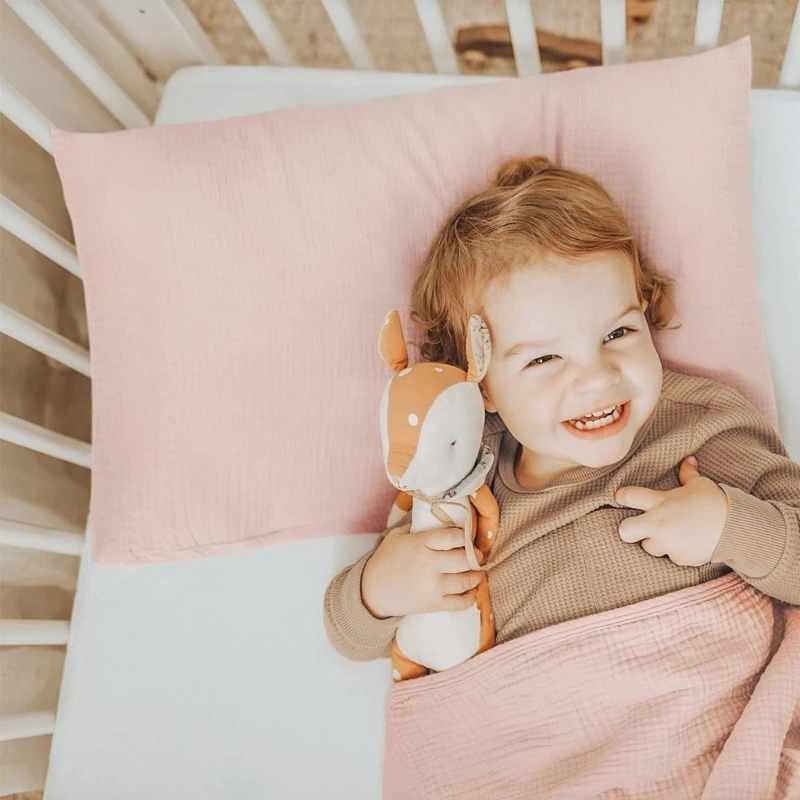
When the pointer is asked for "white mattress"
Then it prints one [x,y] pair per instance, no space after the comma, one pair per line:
[212,679]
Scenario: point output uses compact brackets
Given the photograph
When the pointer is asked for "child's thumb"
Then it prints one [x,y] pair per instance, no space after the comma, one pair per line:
[402,529]
[688,470]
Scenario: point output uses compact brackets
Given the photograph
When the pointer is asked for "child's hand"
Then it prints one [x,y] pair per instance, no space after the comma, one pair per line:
[685,524]
[415,573]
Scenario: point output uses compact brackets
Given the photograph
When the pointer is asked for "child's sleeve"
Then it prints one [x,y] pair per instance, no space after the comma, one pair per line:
[739,450]
[352,630]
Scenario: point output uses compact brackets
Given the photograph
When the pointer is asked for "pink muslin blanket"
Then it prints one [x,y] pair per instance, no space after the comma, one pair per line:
[695,694]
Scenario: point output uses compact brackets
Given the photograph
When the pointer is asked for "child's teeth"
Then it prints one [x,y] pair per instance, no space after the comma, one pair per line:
[598,419]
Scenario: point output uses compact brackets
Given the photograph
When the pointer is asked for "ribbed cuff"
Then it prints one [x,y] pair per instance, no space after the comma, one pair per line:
[754,537]
[351,617]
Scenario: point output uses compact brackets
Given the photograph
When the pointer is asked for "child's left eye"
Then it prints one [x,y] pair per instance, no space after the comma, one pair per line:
[618,333]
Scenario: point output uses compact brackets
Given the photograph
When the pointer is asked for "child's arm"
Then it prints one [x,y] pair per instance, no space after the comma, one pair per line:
[761,538]
[352,630]
[408,573]
[740,506]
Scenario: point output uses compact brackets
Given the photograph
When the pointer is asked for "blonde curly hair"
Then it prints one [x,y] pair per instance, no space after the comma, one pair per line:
[531,208]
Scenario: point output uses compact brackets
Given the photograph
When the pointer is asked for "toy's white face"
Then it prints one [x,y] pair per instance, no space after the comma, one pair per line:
[449,441]
[570,339]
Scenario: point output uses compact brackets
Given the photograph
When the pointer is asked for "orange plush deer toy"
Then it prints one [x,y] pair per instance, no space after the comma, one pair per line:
[432,419]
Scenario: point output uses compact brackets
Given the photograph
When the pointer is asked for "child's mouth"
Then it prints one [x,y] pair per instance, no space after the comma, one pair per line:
[600,424]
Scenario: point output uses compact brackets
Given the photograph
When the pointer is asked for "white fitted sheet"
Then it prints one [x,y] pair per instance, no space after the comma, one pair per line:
[212,679]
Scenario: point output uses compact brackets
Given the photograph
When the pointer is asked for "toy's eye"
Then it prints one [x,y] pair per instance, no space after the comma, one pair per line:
[452,444]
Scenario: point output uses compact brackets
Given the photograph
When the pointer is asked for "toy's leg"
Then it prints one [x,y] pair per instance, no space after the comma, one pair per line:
[403,668]
[487,617]
[488,519]
[400,507]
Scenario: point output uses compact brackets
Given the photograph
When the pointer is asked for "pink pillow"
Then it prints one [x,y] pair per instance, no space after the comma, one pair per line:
[237,273]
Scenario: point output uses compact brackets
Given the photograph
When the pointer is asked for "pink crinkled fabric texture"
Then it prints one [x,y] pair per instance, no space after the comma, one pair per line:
[680,696]
[237,273]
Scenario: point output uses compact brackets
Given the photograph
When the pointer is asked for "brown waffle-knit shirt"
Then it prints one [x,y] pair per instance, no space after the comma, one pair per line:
[558,555]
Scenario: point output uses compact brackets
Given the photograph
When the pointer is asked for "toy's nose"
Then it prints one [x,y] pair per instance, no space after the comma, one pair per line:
[397,478]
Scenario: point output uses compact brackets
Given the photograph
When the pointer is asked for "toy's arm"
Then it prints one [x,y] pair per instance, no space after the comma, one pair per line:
[488,518]
[402,505]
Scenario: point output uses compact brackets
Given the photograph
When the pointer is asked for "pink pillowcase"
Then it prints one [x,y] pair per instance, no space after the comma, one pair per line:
[237,273]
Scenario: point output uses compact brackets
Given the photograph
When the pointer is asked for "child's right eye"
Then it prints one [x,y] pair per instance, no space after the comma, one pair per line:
[541,360]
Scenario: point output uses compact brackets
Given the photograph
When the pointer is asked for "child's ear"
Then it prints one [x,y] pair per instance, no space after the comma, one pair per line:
[487,401]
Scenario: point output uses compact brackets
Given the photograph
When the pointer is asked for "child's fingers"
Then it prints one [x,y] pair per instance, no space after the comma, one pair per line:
[638,497]
[402,529]
[459,582]
[688,470]
[443,538]
[458,602]
[634,529]
[455,560]
[654,547]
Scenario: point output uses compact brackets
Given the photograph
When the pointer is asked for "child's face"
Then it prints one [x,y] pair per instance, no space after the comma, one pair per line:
[569,338]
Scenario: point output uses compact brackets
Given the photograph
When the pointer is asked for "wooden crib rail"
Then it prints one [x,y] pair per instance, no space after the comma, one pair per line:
[26,725]
[37,235]
[20,632]
[35,437]
[38,537]
[53,33]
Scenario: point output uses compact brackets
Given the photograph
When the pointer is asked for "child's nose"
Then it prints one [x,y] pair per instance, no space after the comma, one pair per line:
[597,377]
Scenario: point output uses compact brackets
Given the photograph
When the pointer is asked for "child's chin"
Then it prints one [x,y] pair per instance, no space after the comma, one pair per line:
[597,456]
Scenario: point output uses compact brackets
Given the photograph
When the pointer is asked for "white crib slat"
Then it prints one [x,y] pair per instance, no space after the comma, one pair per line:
[433,25]
[84,23]
[36,537]
[25,726]
[27,64]
[22,632]
[346,27]
[163,33]
[45,25]
[35,437]
[43,340]
[267,33]
[708,23]
[613,23]
[194,30]
[28,229]
[25,116]
[790,71]
[523,37]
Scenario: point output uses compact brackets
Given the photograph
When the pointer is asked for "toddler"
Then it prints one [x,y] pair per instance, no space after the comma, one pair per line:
[617,481]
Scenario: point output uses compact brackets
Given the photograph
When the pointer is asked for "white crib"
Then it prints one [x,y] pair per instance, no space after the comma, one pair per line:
[103,65]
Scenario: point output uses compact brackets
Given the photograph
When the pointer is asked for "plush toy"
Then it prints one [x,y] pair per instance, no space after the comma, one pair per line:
[431,420]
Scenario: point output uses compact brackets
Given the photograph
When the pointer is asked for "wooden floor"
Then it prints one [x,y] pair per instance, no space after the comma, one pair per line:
[394,36]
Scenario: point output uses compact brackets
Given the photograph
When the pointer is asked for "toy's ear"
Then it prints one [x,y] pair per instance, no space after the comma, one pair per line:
[479,349]
[392,343]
